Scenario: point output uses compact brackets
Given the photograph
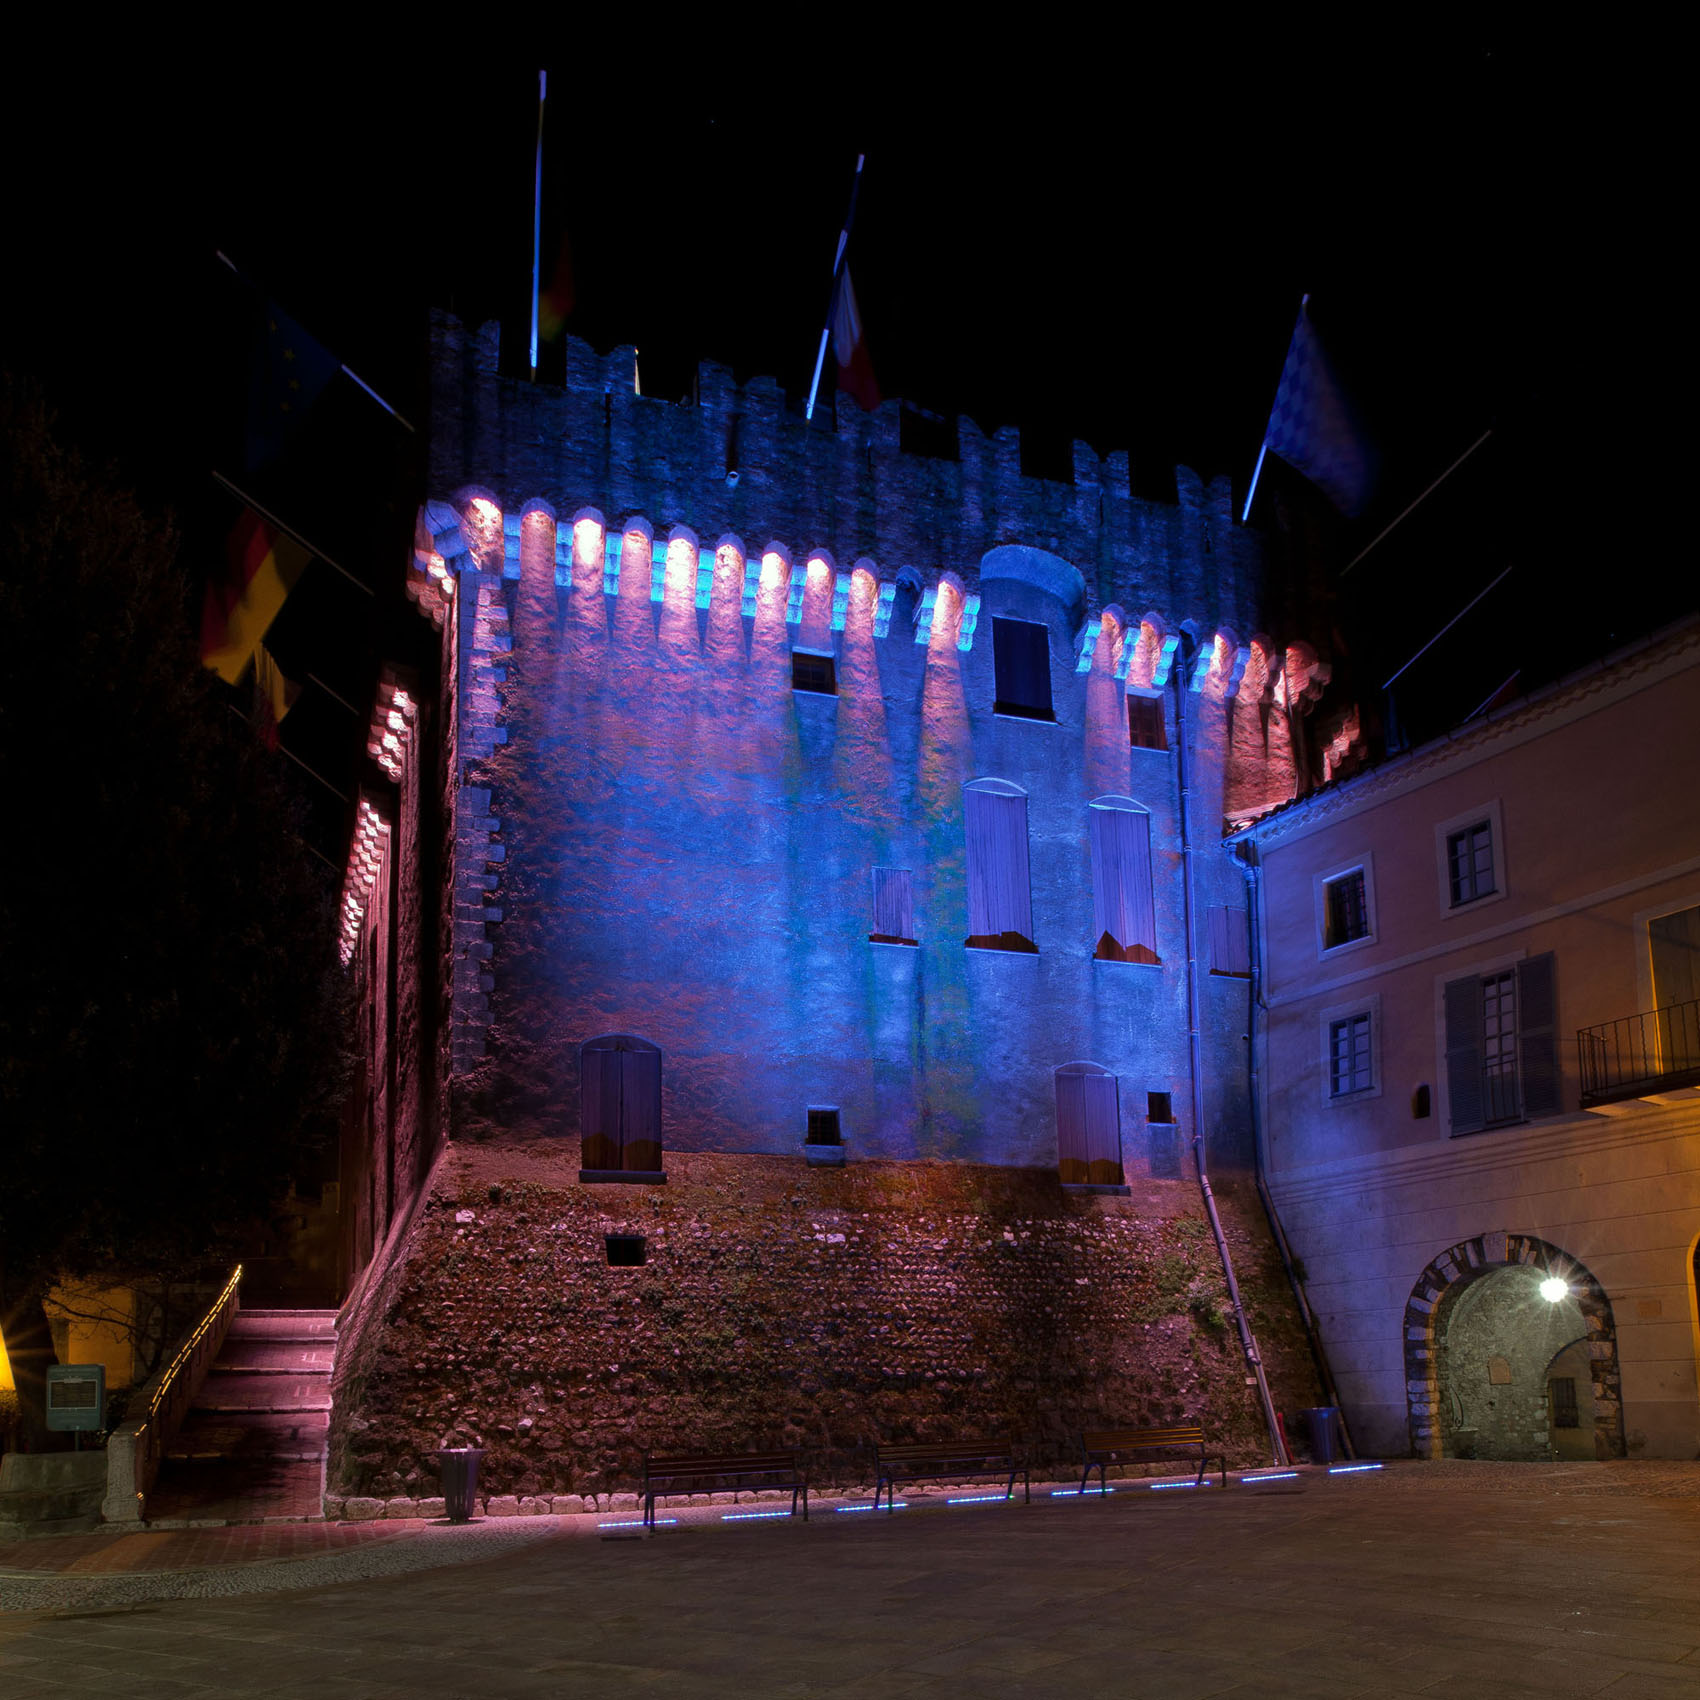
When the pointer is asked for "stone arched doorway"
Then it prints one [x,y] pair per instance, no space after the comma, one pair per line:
[1507,1342]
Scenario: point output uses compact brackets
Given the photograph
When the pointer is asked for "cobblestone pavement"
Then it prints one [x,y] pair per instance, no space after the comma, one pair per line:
[1557,1581]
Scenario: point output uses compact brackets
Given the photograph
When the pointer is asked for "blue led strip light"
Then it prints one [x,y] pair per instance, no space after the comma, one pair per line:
[1275,1476]
[976,1498]
[749,1516]
[1351,1469]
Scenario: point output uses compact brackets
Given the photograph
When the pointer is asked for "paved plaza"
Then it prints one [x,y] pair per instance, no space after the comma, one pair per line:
[1419,1579]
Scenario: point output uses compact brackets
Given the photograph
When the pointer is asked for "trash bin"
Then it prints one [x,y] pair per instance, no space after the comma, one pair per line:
[1324,1421]
[460,1481]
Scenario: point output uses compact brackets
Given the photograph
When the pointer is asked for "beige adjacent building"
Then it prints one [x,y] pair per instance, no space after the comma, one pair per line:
[1479,1070]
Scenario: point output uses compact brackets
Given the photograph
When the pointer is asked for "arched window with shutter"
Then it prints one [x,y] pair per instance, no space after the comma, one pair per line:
[1089,1129]
[1124,912]
[620,1108]
[1000,892]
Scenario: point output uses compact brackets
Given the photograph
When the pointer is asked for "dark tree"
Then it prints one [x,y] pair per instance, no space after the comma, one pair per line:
[171,1016]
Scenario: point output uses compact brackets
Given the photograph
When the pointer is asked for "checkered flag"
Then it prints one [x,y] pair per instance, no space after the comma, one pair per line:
[1311,426]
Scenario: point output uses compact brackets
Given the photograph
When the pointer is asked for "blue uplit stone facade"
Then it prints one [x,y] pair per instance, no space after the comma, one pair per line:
[657,836]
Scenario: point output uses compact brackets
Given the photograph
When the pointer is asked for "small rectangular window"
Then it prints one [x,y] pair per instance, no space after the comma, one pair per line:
[1349,1068]
[823,1125]
[1159,1107]
[1230,942]
[813,672]
[1147,729]
[894,907]
[1021,662]
[625,1251]
[1469,862]
[1346,911]
[1564,1409]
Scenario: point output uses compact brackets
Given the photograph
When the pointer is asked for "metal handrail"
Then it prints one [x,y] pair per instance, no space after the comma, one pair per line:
[1639,1053]
[136,1448]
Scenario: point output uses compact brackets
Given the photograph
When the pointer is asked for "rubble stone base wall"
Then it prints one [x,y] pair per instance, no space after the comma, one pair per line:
[787,1306]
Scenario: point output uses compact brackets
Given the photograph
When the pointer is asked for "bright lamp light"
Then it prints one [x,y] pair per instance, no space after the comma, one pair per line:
[1553,1289]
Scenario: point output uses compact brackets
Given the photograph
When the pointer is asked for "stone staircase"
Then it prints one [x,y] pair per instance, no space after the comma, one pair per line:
[252,1449]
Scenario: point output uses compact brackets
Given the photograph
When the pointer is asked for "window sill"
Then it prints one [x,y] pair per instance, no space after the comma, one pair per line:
[1338,1100]
[1328,952]
[892,938]
[1120,1191]
[622,1177]
[1001,711]
[1128,961]
[1002,944]
[1474,903]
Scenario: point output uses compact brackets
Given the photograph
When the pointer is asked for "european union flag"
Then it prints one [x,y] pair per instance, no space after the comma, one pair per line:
[1312,427]
[290,372]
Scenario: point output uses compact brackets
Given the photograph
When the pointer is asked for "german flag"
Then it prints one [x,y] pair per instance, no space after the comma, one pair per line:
[274,695]
[263,566]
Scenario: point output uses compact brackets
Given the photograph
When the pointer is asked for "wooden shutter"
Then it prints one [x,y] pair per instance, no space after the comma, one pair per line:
[1123,905]
[1103,1130]
[1000,897]
[894,907]
[1464,1054]
[1674,941]
[1073,1164]
[1537,1037]
[599,1108]
[640,1109]
[1230,942]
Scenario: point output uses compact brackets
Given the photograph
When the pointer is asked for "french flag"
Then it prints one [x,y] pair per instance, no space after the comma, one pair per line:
[850,346]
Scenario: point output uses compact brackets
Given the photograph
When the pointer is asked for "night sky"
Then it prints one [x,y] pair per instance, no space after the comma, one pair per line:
[1113,255]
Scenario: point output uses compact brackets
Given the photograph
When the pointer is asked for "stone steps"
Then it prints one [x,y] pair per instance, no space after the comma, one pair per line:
[252,1448]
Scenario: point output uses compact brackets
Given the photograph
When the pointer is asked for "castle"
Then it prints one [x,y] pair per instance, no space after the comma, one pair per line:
[809,819]
[832,914]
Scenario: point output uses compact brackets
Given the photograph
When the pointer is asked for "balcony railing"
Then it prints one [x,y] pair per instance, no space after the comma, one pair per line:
[1655,1051]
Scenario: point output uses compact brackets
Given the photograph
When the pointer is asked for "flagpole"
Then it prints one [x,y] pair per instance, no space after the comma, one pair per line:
[1263,447]
[837,267]
[317,554]
[294,758]
[1446,628]
[537,219]
[347,371]
[1418,502]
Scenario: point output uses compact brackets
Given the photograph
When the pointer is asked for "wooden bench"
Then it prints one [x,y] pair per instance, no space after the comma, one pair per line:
[1105,1446]
[945,1460]
[693,1472]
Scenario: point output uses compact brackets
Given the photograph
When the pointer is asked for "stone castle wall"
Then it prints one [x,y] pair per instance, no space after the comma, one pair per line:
[781,1306]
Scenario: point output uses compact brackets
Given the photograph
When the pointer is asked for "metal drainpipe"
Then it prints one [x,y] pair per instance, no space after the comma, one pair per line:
[1248,1342]
[1253,888]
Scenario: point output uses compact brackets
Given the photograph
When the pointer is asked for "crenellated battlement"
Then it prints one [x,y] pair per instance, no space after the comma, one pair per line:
[735,461]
